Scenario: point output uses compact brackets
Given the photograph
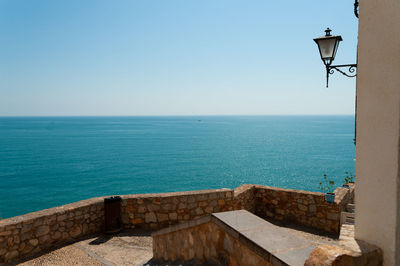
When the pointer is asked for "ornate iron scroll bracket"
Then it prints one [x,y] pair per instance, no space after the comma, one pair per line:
[351,71]
[356,5]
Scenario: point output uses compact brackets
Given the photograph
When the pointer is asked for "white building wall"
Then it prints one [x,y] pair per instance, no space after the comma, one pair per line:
[378,127]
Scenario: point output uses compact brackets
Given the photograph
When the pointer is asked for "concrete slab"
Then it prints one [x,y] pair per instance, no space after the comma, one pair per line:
[241,220]
[275,240]
[295,257]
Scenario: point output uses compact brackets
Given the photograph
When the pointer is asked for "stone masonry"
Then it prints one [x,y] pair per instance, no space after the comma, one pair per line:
[302,207]
[29,234]
[154,211]
[204,243]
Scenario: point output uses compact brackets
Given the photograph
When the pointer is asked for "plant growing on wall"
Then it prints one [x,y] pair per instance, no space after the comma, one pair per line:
[349,178]
[326,185]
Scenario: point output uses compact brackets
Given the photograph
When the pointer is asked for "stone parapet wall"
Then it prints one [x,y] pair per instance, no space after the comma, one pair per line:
[302,207]
[155,211]
[244,198]
[29,234]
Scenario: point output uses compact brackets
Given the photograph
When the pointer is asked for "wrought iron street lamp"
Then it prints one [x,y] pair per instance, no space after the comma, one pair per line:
[328,46]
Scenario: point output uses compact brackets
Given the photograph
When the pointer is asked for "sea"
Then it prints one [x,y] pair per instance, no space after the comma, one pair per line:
[50,161]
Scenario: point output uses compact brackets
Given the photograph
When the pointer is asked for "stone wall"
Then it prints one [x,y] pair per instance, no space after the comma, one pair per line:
[302,207]
[206,242]
[155,211]
[29,234]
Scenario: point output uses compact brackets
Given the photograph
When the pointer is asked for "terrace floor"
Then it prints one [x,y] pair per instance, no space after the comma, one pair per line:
[132,248]
[126,248]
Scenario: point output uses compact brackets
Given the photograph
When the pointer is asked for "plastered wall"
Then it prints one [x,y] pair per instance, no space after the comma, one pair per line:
[378,127]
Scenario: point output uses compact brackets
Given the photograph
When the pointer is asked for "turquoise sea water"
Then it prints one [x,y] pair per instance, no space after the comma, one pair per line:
[49,161]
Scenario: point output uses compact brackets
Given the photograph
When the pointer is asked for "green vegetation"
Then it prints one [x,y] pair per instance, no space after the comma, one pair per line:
[327,185]
[349,178]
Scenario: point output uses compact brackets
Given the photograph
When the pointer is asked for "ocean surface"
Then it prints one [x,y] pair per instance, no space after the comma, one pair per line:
[50,161]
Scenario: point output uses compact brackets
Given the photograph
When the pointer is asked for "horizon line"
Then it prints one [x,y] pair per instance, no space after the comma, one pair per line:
[191,115]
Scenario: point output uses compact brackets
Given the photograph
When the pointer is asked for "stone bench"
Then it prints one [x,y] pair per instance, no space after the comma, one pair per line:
[234,238]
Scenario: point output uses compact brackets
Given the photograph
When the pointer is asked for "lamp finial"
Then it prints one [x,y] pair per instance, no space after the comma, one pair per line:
[328,32]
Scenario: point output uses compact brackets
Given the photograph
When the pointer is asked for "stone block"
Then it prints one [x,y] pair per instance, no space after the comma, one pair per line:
[3,251]
[137,221]
[76,231]
[201,197]
[162,217]
[139,201]
[209,209]
[280,211]
[43,240]
[85,228]
[153,207]
[11,255]
[199,211]
[312,208]
[157,201]
[10,241]
[6,233]
[56,235]
[166,207]
[213,195]
[182,206]
[42,230]
[213,203]
[332,216]
[65,235]
[192,205]
[141,209]
[302,207]
[173,216]
[228,244]
[203,203]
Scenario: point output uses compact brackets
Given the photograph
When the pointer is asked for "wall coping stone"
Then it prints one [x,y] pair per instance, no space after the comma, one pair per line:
[174,194]
[29,217]
[297,191]
[98,200]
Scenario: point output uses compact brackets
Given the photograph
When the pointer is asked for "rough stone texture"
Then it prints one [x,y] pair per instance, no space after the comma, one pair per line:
[350,252]
[340,256]
[32,233]
[155,211]
[302,207]
[204,243]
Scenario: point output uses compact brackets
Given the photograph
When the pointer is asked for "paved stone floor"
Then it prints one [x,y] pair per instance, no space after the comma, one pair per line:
[121,249]
[127,248]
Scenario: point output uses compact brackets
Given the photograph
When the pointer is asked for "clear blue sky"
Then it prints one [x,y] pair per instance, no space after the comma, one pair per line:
[167,57]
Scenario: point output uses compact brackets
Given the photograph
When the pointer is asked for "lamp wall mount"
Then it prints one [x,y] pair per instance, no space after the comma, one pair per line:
[350,68]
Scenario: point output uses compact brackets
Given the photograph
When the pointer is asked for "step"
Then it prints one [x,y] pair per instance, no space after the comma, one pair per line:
[351,207]
[347,218]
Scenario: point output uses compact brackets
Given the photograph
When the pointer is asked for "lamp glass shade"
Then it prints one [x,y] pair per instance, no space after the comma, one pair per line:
[328,48]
